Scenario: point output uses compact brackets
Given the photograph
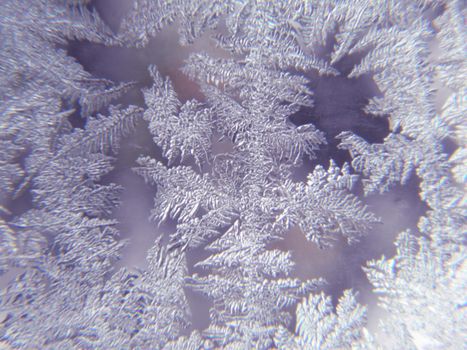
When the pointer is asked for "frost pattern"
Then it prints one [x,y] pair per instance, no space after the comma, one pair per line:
[318,327]
[434,289]
[234,205]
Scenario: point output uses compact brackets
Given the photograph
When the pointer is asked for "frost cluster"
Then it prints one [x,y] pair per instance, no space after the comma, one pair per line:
[235,205]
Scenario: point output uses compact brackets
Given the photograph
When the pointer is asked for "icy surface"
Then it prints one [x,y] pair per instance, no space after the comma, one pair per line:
[232,174]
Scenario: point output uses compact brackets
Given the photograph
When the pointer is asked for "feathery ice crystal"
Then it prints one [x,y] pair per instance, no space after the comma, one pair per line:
[61,248]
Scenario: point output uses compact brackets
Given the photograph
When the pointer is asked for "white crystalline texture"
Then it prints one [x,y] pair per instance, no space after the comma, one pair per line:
[61,249]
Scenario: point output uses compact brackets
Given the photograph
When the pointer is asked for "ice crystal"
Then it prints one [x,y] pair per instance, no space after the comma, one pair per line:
[318,327]
[60,138]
